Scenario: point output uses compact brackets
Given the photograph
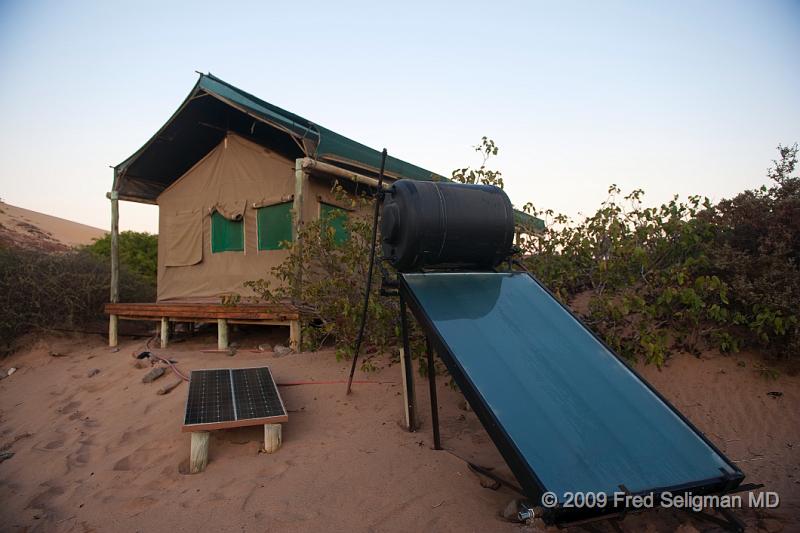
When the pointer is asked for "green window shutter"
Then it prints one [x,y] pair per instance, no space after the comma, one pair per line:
[335,217]
[226,235]
[274,226]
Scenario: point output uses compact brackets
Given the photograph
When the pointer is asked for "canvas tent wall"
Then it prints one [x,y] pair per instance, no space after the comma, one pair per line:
[252,189]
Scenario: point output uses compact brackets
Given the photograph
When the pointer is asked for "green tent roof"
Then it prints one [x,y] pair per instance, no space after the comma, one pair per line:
[215,107]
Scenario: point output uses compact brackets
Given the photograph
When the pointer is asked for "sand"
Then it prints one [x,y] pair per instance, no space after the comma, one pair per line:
[106,453]
[29,229]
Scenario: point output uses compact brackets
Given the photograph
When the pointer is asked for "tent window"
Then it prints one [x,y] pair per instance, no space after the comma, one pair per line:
[335,218]
[226,235]
[275,226]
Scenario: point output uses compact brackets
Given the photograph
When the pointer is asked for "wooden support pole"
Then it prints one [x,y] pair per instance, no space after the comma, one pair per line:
[113,324]
[222,334]
[198,456]
[272,437]
[294,335]
[113,329]
[164,332]
[300,185]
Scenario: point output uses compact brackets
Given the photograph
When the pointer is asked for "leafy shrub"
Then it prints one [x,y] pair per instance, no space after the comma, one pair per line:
[685,275]
[138,252]
[333,279]
[66,290]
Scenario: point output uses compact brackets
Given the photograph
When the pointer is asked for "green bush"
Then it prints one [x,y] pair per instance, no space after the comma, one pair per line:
[40,291]
[686,275]
[138,252]
[331,293]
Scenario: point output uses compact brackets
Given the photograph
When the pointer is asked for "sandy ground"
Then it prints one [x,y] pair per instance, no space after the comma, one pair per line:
[30,229]
[106,453]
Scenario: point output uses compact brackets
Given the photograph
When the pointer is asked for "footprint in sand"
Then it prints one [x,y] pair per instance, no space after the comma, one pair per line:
[81,457]
[123,464]
[43,500]
[67,407]
[52,445]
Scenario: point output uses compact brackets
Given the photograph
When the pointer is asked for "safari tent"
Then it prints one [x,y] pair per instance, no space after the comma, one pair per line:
[234,178]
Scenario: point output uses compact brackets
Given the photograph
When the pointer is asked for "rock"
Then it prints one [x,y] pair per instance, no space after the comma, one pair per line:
[11,371]
[231,351]
[281,350]
[488,483]
[511,512]
[153,375]
[266,347]
[92,372]
[464,405]
[114,350]
[167,388]
[6,455]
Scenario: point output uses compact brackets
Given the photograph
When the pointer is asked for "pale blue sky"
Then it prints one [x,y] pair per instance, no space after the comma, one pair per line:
[671,97]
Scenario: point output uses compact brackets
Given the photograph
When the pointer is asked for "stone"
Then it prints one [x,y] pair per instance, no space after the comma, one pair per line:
[511,512]
[92,372]
[266,347]
[281,350]
[153,375]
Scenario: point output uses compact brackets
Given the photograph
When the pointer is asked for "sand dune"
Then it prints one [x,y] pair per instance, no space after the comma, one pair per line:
[105,452]
[33,230]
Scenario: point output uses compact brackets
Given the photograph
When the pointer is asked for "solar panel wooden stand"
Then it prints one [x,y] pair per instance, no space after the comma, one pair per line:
[231,397]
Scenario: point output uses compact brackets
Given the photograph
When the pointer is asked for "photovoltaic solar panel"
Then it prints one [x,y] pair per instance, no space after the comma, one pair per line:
[232,397]
[565,412]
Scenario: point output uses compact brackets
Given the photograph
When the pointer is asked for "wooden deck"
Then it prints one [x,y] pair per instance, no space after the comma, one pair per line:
[223,314]
[203,312]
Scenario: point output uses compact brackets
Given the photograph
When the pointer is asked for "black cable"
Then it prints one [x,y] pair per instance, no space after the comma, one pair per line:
[360,337]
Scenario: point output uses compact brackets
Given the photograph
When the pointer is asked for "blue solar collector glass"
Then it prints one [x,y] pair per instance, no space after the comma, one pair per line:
[579,417]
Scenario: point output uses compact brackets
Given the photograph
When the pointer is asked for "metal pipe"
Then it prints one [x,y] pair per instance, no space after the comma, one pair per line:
[326,168]
[437,443]
[364,311]
[409,368]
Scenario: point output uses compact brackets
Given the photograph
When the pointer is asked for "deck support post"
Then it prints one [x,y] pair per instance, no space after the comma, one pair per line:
[198,456]
[114,296]
[272,437]
[294,335]
[113,328]
[164,332]
[222,334]
[407,371]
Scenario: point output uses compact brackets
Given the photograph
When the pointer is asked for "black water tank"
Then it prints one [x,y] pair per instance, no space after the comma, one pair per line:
[426,223]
